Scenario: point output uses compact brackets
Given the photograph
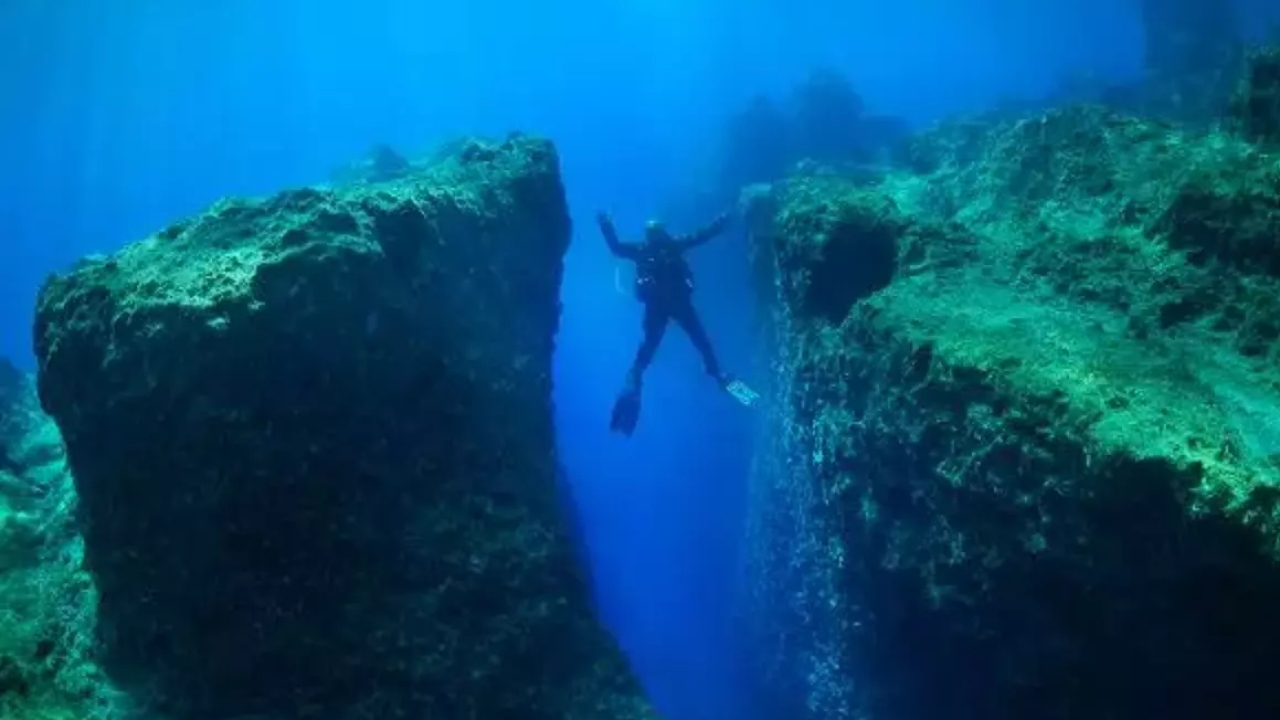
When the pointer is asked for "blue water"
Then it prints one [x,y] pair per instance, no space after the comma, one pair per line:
[118,116]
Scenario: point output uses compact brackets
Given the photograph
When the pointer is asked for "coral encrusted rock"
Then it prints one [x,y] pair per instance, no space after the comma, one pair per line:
[1023,456]
[312,440]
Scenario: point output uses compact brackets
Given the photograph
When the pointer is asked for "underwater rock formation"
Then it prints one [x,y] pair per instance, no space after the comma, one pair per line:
[1191,58]
[313,446]
[381,164]
[1022,458]
[1255,106]
[12,419]
[46,599]
[756,144]
[823,121]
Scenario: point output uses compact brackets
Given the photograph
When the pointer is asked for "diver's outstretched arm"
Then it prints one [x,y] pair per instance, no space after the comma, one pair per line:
[695,239]
[616,246]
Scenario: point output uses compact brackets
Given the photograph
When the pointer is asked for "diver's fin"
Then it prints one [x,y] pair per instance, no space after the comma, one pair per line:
[742,392]
[626,413]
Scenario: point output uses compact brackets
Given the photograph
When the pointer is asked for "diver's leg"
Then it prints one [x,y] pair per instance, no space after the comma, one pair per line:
[688,319]
[654,327]
[626,409]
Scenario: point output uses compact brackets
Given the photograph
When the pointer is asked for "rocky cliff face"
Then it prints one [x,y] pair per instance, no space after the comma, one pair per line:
[313,446]
[1023,459]
[47,668]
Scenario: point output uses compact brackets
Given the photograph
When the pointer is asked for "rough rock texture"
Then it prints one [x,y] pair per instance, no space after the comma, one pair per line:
[1024,445]
[313,445]
[46,599]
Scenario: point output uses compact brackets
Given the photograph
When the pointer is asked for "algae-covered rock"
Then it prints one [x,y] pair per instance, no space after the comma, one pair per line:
[1028,467]
[47,668]
[313,444]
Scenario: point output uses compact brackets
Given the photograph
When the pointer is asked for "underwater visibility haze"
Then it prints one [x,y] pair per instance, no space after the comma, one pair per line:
[315,332]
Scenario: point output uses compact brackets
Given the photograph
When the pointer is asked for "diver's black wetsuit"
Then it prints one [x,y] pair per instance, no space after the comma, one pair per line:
[664,284]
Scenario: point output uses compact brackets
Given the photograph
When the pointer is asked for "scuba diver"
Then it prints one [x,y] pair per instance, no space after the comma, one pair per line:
[664,283]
